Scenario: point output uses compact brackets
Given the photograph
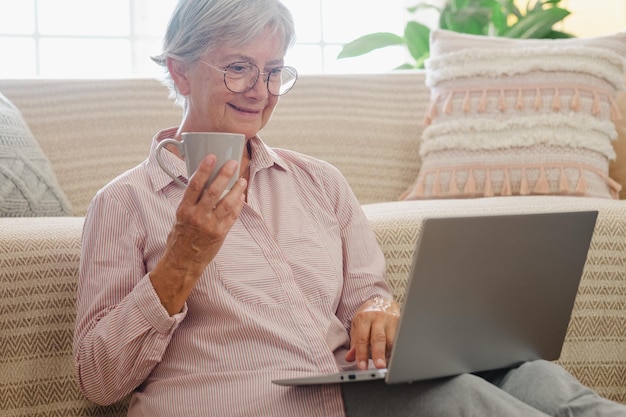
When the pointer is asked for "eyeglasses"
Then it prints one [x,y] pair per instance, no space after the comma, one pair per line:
[241,77]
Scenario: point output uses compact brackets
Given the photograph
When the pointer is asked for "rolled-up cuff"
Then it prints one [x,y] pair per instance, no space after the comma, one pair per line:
[150,305]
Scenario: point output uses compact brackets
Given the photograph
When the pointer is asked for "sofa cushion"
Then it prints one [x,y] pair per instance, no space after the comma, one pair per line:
[38,273]
[519,117]
[28,186]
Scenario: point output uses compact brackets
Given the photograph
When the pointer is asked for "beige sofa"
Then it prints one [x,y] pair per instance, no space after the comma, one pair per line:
[368,126]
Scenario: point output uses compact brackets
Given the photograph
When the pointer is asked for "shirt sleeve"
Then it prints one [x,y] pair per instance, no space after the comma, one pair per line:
[363,259]
[122,330]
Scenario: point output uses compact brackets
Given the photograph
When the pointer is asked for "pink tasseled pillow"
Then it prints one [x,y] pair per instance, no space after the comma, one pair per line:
[520,117]
[617,168]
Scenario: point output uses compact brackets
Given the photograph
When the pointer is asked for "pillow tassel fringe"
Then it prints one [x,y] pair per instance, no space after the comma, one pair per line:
[453,189]
[488,191]
[581,187]
[523,187]
[432,111]
[420,185]
[575,104]
[616,114]
[538,100]
[520,99]
[467,103]
[448,106]
[542,186]
[556,101]
[482,105]
[470,186]
[596,108]
[502,106]
[506,184]
[563,182]
[437,184]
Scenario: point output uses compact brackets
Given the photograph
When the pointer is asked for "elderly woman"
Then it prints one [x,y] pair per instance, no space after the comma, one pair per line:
[194,304]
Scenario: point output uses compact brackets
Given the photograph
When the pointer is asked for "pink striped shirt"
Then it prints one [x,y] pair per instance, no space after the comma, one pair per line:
[276,302]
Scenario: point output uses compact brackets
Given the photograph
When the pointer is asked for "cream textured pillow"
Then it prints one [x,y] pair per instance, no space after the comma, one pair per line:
[28,186]
[520,117]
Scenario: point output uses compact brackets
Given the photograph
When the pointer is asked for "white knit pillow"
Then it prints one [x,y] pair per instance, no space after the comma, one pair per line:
[520,117]
[28,186]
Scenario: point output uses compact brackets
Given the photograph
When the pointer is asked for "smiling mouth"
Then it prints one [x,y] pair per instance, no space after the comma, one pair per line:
[244,110]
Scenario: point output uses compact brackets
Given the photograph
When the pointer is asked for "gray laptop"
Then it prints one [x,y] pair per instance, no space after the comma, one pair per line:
[484,293]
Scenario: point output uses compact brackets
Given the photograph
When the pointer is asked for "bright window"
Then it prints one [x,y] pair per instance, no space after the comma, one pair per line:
[81,38]
[115,38]
[322,26]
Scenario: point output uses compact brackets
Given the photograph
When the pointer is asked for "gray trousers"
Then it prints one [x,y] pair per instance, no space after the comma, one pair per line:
[537,388]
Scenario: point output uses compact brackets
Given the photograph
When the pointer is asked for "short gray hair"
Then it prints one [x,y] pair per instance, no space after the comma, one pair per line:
[198,26]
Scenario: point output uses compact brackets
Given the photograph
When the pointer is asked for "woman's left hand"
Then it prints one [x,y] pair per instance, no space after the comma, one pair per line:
[373,332]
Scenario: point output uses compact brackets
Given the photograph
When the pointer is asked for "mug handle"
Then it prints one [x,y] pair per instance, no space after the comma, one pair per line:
[159,159]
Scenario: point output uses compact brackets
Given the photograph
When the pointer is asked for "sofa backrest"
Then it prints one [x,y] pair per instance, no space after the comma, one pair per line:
[92,130]
[366,125]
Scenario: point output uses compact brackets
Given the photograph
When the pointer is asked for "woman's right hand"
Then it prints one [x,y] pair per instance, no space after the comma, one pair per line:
[202,223]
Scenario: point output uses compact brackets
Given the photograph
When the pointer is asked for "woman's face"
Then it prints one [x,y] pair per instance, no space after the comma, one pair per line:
[211,107]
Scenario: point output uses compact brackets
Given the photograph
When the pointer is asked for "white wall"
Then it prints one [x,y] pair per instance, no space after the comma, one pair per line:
[595,17]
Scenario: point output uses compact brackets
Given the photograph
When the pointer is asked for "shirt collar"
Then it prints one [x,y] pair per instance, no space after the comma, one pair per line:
[264,156]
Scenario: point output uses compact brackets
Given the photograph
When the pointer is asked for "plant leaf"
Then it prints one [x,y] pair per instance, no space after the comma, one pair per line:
[486,17]
[474,20]
[538,5]
[499,19]
[419,63]
[417,39]
[473,17]
[552,2]
[368,43]
[406,66]
[422,6]
[511,9]
[536,24]
[557,34]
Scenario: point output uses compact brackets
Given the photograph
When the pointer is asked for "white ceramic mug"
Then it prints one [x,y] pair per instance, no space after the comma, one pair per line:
[196,145]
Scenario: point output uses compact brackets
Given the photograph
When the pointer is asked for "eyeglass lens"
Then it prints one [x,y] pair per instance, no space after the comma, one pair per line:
[241,77]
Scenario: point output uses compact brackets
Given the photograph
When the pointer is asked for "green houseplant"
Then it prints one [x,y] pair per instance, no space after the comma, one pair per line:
[478,17]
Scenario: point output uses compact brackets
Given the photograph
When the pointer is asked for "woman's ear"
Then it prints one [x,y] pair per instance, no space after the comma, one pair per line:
[178,72]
